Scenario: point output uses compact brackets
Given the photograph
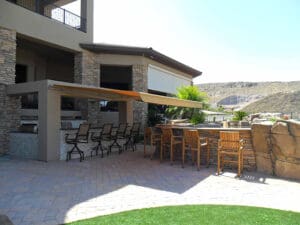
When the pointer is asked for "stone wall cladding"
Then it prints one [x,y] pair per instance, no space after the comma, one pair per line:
[140,83]
[279,152]
[87,72]
[94,113]
[9,106]
[86,69]
[7,56]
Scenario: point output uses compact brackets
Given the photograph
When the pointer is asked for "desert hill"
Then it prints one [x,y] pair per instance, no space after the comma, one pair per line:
[286,103]
[240,94]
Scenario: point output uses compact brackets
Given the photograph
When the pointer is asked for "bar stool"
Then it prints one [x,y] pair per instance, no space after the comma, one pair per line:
[230,150]
[194,143]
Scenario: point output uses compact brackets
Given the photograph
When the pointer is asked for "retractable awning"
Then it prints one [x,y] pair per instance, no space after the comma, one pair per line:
[84,91]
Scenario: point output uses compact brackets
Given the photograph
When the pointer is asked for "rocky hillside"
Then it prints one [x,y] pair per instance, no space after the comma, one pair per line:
[279,102]
[240,94]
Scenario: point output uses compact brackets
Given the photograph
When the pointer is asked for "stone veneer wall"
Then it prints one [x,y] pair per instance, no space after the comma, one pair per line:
[87,72]
[277,148]
[214,135]
[140,83]
[9,106]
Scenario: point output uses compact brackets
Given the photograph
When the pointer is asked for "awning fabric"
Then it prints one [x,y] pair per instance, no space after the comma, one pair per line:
[84,91]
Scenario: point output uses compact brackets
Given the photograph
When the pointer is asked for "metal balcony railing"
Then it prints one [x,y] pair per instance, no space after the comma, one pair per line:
[54,12]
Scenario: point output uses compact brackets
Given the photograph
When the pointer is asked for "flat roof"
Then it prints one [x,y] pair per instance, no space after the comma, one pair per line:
[140,51]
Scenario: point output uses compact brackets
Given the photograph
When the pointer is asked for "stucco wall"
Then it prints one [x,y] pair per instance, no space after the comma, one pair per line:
[41,67]
[36,26]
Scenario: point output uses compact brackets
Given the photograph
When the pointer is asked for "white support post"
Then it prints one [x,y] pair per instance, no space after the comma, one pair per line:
[126,112]
[49,124]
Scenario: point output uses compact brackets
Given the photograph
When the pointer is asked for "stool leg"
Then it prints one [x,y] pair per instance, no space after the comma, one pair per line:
[198,159]
[219,162]
[208,155]
[183,154]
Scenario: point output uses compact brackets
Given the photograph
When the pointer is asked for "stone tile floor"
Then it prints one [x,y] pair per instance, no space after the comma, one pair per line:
[33,192]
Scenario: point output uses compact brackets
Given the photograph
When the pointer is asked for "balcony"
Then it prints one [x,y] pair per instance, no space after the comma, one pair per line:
[53,11]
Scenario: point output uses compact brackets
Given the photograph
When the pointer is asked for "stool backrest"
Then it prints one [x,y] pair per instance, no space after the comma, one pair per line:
[83,131]
[191,138]
[122,128]
[135,128]
[230,140]
[166,134]
[106,129]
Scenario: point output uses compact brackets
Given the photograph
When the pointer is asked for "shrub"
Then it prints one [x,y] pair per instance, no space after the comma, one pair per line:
[239,115]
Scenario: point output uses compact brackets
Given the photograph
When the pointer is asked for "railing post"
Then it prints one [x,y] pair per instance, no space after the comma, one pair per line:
[64,15]
[37,6]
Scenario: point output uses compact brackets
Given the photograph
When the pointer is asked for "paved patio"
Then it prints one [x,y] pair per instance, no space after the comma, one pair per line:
[33,192]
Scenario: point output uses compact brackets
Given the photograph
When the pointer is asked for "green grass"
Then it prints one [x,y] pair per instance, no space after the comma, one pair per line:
[198,215]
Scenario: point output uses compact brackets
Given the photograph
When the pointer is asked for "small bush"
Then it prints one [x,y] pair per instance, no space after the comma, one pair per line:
[239,115]
[198,118]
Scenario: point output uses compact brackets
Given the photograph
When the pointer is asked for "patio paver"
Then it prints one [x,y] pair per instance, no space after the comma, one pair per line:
[33,192]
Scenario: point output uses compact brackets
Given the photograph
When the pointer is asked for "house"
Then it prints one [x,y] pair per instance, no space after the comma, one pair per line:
[43,47]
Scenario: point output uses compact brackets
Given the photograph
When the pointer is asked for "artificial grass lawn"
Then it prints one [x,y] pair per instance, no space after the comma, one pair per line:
[198,214]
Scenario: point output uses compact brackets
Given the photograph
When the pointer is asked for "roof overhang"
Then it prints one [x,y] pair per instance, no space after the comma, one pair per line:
[91,92]
[139,51]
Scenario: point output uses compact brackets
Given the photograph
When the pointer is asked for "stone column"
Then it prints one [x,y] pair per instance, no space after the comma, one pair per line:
[87,72]
[139,83]
[9,106]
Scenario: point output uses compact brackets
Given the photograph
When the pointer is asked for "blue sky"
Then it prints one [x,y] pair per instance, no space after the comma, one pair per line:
[228,40]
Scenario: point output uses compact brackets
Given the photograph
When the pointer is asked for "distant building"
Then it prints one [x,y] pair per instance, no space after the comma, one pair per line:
[216,116]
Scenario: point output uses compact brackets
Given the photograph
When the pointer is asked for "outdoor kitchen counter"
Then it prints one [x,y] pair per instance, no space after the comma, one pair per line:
[23,145]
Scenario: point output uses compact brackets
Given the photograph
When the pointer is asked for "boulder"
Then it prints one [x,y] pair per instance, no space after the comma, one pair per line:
[294,128]
[261,138]
[280,128]
[283,145]
[287,169]
[264,163]
[261,128]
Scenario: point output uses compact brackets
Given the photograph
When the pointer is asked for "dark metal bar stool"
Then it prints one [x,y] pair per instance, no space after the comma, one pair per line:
[133,136]
[119,134]
[103,135]
[81,136]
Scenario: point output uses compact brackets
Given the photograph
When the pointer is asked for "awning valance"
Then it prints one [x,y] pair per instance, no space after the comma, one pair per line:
[122,95]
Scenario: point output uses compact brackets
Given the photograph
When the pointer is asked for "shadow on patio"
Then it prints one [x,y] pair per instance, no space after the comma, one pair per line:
[33,192]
